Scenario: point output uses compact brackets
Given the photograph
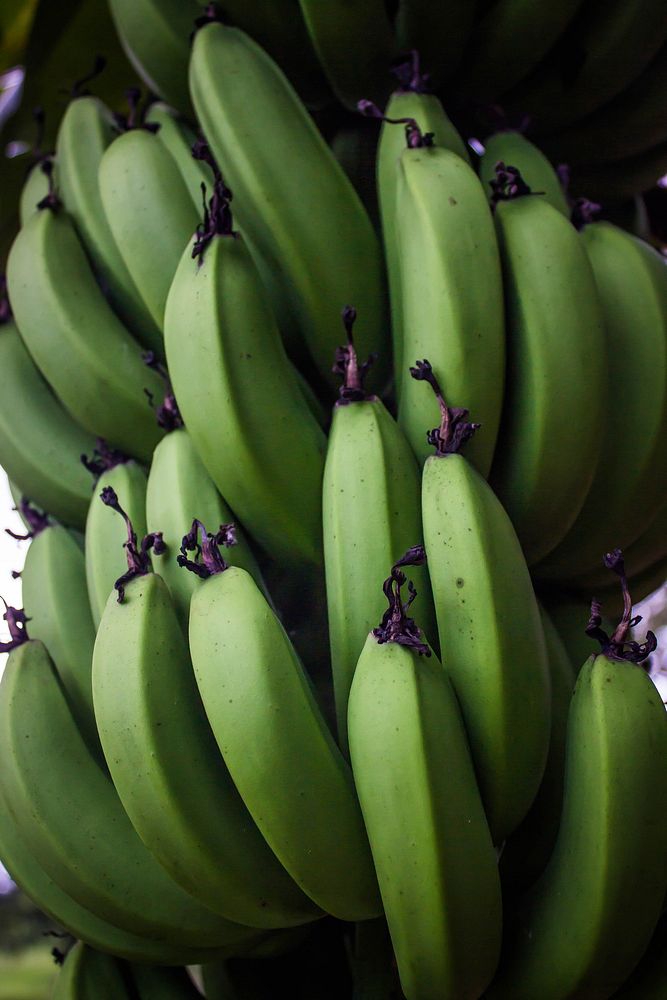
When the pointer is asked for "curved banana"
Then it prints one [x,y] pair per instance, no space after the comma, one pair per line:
[178,139]
[284,177]
[86,130]
[585,924]
[491,636]
[238,394]
[431,844]
[82,349]
[556,392]
[105,535]
[55,598]
[155,35]
[370,514]
[295,782]
[73,822]
[528,849]
[629,485]
[39,182]
[438,31]
[40,443]
[164,761]
[88,974]
[412,100]
[451,294]
[150,212]
[355,45]
[511,147]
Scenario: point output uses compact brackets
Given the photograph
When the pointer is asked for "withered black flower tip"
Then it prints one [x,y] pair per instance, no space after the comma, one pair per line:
[50,200]
[346,364]
[138,559]
[37,520]
[410,77]
[77,89]
[396,625]
[454,430]
[16,622]
[584,212]
[508,184]
[618,646]
[218,219]
[208,559]
[167,414]
[415,556]
[104,457]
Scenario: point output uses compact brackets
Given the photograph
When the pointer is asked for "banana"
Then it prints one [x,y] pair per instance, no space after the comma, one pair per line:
[371,515]
[604,50]
[180,489]
[82,349]
[297,209]
[40,443]
[86,130]
[105,559]
[628,487]
[73,822]
[511,147]
[491,636]
[150,212]
[412,100]
[55,598]
[648,979]
[585,924]
[431,844]
[528,849]
[88,974]
[238,395]
[164,761]
[451,293]
[556,393]
[293,779]
[355,45]
[37,186]
[439,32]
[155,36]
[82,923]
[178,139]
[507,42]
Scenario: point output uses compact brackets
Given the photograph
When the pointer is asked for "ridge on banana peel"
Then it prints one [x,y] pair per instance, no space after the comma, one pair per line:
[414,775]
[163,758]
[282,758]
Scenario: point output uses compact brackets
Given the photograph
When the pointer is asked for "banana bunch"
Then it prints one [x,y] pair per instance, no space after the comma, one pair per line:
[298,674]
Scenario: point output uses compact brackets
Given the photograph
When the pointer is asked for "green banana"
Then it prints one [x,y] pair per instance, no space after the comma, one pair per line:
[238,394]
[164,761]
[82,349]
[371,515]
[77,920]
[285,177]
[86,130]
[628,487]
[40,443]
[355,45]
[430,840]
[585,924]
[155,36]
[528,849]
[451,293]
[491,636]
[413,101]
[511,147]
[88,974]
[73,822]
[178,139]
[272,735]
[104,556]
[180,489]
[438,31]
[150,212]
[37,186]
[648,979]
[55,598]
[556,394]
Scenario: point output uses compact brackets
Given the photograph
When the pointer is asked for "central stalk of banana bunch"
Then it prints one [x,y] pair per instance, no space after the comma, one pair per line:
[618,646]
[16,623]
[37,520]
[138,559]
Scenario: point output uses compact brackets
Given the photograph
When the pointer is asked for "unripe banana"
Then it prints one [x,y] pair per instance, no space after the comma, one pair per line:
[296,784]
[178,139]
[164,761]
[491,636]
[88,974]
[150,212]
[512,147]
[36,187]
[86,130]
[296,207]
[648,979]
[430,840]
[556,399]
[40,443]
[55,598]
[371,515]
[105,558]
[68,328]
[238,394]
[585,924]
[73,822]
